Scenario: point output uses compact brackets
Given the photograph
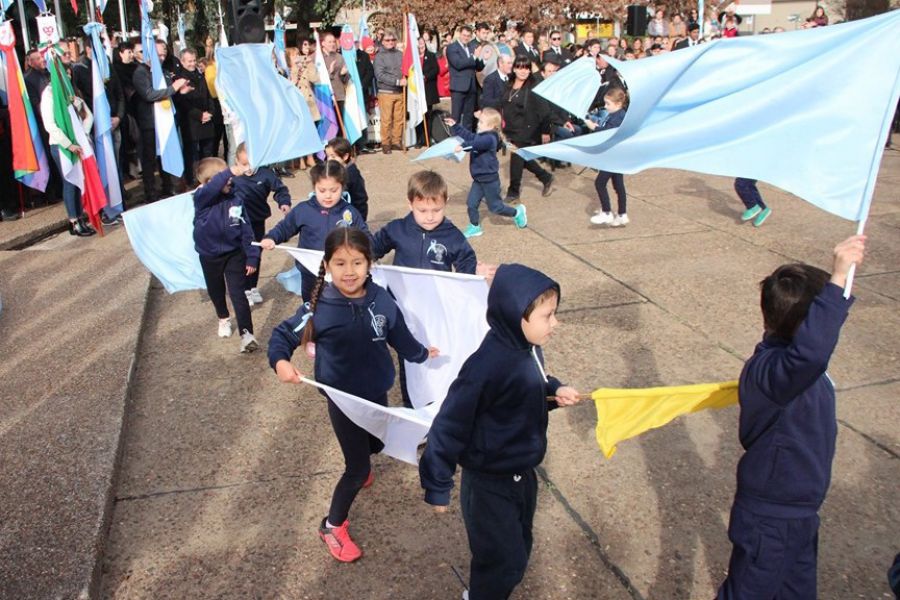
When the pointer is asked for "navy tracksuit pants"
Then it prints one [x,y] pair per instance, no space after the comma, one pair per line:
[771,559]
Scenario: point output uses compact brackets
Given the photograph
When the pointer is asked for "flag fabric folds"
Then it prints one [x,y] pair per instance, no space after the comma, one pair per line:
[104,148]
[30,165]
[574,87]
[5,4]
[411,67]
[328,126]
[162,237]
[168,145]
[280,50]
[625,413]
[355,117]
[276,120]
[764,107]
[365,36]
[42,6]
[445,149]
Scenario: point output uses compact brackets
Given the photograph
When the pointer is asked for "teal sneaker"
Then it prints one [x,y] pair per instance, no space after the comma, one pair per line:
[750,213]
[473,231]
[762,216]
[521,219]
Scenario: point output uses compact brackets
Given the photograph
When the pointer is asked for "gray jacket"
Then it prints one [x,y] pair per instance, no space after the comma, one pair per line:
[387,70]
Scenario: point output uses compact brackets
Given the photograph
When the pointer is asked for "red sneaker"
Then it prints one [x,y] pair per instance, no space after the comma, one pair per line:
[370,479]
[338,540]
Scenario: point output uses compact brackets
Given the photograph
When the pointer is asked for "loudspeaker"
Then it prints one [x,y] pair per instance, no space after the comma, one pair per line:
[637,20]
[249,26]
[437,129]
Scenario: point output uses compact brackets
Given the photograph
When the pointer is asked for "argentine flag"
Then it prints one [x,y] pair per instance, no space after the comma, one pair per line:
[355,117]
[168,145]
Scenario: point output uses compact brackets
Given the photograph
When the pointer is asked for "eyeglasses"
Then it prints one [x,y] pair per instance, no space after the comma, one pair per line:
[554,39]
[389,40]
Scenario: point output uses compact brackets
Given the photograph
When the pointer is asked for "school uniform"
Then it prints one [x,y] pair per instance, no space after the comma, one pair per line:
[444,248]
[254,190]
[356,187]
[352,337]
[493,423]
[788,429]
[314,222]
[618,180]
[222,238]
[485,170]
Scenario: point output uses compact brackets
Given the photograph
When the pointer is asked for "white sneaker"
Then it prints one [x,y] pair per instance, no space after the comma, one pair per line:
[224,328]
[254,296]
[249,295]
[248,342]
[602,218]
[620,220]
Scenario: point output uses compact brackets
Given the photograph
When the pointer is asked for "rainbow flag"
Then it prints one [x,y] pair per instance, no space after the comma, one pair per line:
[328,126]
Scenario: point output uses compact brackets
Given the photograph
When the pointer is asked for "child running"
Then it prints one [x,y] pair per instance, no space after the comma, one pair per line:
[351,321]
[485,170]
[253,188]
[223,238]
[756,209]
[788,428]
[494,424]
[313,219]
[339,149]
[616,103]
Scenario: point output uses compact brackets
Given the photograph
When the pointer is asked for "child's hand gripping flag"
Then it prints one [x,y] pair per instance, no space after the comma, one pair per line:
[625,413]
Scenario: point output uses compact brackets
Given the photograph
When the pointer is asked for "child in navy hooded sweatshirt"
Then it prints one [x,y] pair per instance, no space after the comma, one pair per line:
[485,170]
[788,429]
[327,208]
[223,238]
[339,149]
[493,423]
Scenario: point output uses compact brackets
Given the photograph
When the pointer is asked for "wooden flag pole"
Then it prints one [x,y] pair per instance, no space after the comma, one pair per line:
[404,76]
[425,125]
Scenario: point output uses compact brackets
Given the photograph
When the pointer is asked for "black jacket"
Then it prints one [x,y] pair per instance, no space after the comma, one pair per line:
[492,91]
[366,74]
[192,105]
[83,80]
[146,95]
[430,72]
[525,116]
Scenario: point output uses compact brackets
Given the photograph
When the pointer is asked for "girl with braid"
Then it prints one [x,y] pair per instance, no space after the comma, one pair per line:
[351,321]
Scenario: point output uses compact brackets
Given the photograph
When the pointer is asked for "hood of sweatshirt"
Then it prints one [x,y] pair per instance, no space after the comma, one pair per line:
[513,289]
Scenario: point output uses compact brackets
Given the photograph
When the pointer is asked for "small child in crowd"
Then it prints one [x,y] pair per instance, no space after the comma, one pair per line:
[351,321]
[616,103]
[313,219]
[757,211]
[494,424]
[788,428]
[253,188]
[223,239]
[339,149]
[485,170]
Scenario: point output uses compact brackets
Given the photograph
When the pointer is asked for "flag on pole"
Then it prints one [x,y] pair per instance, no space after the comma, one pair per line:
[280,46]
[721,109]
[30,164]
[101,6]
[355,117]
[104,147]
[181,43]
[365,36]
[626,413]
[411,67]
[328,126]
[42,6]
[74,6]
[168,145]
[96,30]
[79,171]
[445,149]
[6,4]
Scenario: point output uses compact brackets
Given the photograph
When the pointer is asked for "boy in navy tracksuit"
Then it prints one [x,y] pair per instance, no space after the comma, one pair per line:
[222,238]
[326,209]
[339,149]
[494,424]
[253,188]
[788,429]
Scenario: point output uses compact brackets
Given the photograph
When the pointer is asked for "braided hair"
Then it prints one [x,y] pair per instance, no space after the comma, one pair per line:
[340,237]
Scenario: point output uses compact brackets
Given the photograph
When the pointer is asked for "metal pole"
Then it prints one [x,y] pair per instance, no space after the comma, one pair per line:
[59,21]
[92,15]
[122,24]
[700,17]
[24,25]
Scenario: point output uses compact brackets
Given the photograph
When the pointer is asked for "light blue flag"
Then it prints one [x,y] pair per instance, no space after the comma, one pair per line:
[168,143]
[445,149]
[6,4]
[573,88]
[162,237]
[766,107]
[180,26]
[280,46]
[355,117]
[94,30]
[276,119]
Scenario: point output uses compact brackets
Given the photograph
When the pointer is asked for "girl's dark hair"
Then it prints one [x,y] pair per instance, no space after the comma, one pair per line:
[330,169]
[341,146]
[340,237]
[787,295]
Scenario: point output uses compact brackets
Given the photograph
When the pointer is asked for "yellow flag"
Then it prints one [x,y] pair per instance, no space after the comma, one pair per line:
[624,413]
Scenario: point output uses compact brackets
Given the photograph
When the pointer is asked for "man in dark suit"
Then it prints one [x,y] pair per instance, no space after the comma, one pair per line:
[692,39]
[464,63]
[526,48]
[556,52]
[495,84]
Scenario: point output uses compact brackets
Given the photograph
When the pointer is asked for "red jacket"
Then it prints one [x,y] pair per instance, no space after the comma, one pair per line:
[443,80]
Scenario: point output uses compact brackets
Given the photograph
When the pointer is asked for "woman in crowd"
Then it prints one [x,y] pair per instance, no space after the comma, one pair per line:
[302,63]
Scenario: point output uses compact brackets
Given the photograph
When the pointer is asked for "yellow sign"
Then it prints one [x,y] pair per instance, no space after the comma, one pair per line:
[586,31]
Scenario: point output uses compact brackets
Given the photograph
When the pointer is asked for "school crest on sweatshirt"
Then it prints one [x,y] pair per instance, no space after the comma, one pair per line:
[436,252]
[346,219]
[379,324]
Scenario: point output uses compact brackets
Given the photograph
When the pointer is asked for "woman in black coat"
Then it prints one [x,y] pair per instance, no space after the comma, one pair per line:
[430,75]
[525,123]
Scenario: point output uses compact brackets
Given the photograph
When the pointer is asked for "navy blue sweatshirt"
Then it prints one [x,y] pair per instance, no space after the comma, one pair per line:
[254,191]
[220,226]
[494,419]
[788,425]
[356,187]
[352,335]
[444,248]
[613,120]
[483,163]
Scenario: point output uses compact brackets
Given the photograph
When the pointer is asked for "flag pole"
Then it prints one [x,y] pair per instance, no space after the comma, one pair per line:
[23,24]
[59,21]
[122,25]
[403,76]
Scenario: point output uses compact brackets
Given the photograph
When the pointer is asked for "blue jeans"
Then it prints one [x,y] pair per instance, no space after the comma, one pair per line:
[490,191]
[71,194]
[618,181]
[561,133]
[747,192]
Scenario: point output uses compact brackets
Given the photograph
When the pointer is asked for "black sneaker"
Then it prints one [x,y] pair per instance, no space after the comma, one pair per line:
[9,215]
[511,197]
[548,187]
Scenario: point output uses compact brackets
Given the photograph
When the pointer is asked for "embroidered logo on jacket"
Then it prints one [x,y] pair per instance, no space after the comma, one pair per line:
[438,250]
[235,214]
[379,323]
[346,219]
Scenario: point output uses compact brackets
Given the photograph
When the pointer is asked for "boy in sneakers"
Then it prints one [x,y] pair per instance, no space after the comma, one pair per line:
[222,238]
[788,429]
[756,209]
[494,424]
[253,188]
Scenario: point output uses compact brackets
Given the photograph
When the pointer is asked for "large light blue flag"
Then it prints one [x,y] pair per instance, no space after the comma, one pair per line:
[768,107]
[355,116]
[276,119]
[162,237]
[280,50]
[445,149]
[574,88]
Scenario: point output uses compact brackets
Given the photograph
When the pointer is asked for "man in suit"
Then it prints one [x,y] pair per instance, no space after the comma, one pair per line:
[495,83]
[464,63]
[692,39]
[556,52]
[526,48]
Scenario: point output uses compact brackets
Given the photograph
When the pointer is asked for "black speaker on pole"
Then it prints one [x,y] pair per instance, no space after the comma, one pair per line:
[636,24]
[249,26]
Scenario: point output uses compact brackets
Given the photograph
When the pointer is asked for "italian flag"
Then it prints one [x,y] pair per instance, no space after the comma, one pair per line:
[81,172]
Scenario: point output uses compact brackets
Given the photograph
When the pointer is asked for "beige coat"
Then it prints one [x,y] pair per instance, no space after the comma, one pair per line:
[303,78]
